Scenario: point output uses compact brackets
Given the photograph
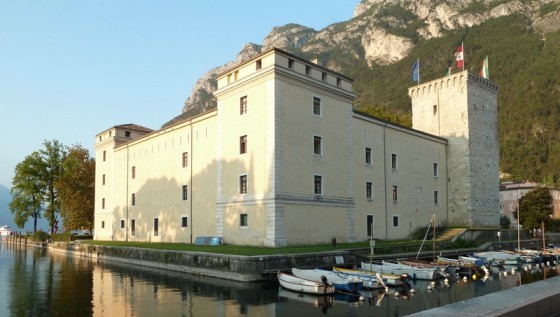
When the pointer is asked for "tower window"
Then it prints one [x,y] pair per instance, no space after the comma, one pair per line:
[368,155]
[243,144]
[318,184]
[243,105]
[243,184]
[435,109]
[317,145]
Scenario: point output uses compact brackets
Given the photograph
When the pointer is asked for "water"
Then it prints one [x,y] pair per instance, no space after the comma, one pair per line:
[40,283]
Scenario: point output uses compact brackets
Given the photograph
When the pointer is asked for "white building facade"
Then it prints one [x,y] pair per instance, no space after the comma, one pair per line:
[284,160]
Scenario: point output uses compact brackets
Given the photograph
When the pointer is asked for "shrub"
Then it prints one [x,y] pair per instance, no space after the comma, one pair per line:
[41,236]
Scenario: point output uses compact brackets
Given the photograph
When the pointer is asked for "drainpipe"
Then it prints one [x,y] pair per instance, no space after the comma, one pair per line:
[385,173]
[191,179]
[127,193]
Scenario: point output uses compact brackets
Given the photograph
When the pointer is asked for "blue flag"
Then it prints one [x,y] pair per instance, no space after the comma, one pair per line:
[416,71]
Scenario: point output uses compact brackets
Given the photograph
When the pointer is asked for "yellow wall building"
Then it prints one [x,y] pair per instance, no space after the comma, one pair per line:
[283,160]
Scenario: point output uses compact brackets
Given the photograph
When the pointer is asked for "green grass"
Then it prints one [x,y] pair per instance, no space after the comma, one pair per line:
[249,250]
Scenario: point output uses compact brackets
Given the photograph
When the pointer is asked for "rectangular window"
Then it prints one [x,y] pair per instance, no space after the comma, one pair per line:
[133,199]
[317,146]
[338,81]
[436,197]
[156,227]
[394,161]
[104,156]
[102,203]
[185,192]
[122,223]
[369,186]
[368,155]
[307,70]
[436,172]
[184,222]
[103,179]
[317,106]
[102,224]
[127,134]
[395,193]
[395,221]
[243,220]
[133,172]
[324,76]
[243,144]
[243,105]
[258,64]
[132,227]
[185,159]
[290,63]
[369,225]
[318,184]
[243,184]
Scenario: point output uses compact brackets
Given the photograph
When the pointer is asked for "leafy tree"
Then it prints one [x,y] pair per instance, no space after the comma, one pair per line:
[76,189]
[504,222]
[34,189]
[536,207]
[52,156]
[27,192]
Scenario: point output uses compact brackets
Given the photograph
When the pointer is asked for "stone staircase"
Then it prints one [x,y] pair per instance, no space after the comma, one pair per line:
[450,234]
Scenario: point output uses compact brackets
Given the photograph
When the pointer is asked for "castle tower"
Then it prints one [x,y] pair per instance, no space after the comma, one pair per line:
[463,108]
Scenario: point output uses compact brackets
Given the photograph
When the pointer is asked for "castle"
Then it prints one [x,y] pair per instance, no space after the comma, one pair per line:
[284,160]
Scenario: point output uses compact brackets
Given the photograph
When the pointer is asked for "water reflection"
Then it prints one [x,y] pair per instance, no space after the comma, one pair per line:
[36,283]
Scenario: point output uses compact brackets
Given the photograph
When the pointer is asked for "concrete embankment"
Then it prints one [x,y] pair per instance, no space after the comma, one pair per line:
[233,267]
[538,299]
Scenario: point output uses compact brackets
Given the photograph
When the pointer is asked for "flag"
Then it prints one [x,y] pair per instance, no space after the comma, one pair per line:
[459,57]
[416,71]
[484,73]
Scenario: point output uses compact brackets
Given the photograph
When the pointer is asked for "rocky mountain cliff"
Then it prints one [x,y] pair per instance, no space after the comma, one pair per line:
[384,37]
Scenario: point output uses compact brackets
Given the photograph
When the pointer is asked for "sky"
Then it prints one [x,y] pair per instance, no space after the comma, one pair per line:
[71,69]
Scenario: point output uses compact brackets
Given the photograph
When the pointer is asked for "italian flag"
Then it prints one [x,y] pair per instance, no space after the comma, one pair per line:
[484,73]
[459,57]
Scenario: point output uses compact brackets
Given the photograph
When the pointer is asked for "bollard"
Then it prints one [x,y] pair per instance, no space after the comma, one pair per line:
[333,242]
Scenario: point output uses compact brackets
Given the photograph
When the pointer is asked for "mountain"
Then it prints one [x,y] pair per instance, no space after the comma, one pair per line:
[6,217]
[384,38]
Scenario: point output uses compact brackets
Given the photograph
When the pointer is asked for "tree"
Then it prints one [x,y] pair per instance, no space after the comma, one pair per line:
[76,189]
[535,208]
[34,188]
[52,157]
[27,192]
[504,222]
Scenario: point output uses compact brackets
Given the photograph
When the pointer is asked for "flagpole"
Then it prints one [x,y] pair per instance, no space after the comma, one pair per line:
[418,61]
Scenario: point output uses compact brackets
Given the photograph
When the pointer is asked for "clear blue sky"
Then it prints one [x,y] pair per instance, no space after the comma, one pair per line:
[71,69]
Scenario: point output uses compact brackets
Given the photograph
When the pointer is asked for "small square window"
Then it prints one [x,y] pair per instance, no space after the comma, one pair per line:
[122,223]
[318,184]
[317,106]
[184,222]
[156,227]
[243,144]
[395,221]
[127,134]
[185,192]
[243,105]
[317,145]
[395,193]
[394,161]
[368,155]
[132,227]
[243,220]
[369,187]
[133,199]
[185,159]
[243,184]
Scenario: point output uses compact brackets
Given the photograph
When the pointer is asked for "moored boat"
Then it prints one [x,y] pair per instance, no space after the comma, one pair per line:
[302,285]
[386,279]
[5,231]
[340,283]
[388,267]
